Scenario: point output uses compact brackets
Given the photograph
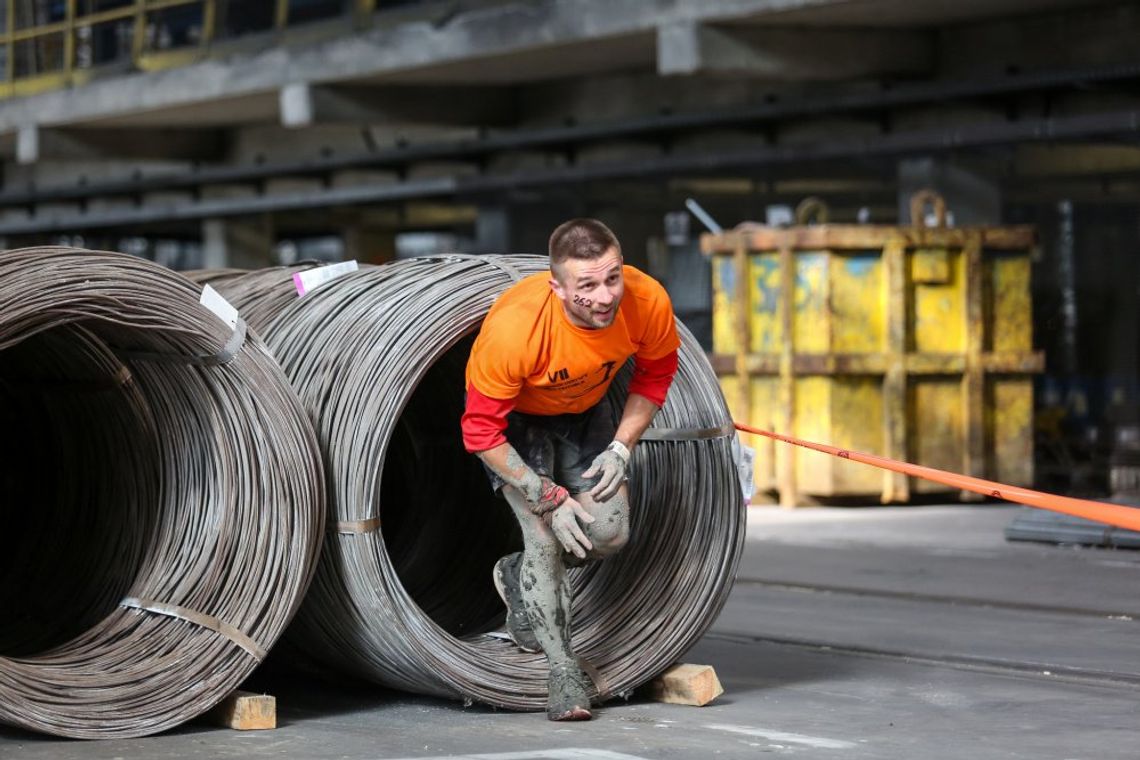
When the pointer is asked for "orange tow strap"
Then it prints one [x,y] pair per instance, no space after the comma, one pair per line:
[1112,514]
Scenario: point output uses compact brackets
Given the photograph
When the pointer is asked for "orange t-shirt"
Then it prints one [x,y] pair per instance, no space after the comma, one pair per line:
[530,351]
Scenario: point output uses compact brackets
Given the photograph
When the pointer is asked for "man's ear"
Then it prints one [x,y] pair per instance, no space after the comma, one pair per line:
[556,286]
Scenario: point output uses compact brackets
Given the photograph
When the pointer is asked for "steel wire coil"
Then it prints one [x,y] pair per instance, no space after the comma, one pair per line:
[260,294]
[378,360]
[164,501]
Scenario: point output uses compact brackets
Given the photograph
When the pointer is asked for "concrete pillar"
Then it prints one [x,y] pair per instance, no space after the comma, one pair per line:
[28,144]
[519,228]
[1121,273]
[241,243]
[687,276]
[634,228]
[368,245]
[532,223]
[526,228]
[493,230]
[971,199]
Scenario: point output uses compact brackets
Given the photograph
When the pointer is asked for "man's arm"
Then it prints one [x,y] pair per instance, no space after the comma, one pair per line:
[484,426]
[484,422]
[544,498]
[647,391]
[509,466]
[635,418]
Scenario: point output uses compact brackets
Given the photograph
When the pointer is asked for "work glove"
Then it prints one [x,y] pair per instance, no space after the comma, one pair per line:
[609,468]
[547,498]
[563,522]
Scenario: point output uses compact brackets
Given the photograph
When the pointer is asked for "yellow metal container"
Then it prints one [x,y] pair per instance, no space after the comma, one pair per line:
[914,343]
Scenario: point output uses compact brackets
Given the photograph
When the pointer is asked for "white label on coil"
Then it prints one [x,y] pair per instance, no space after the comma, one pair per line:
[744,458]
[569,753]
[498,635]
[311,279]
[222,308]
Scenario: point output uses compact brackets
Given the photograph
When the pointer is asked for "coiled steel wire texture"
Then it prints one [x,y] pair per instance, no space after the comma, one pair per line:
[403,594]
[165,501]
[261,293]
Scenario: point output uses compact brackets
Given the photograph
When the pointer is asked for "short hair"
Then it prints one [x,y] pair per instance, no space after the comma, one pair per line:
[581,239]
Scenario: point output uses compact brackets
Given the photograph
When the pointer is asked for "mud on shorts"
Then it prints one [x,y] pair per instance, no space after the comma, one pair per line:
[561,446]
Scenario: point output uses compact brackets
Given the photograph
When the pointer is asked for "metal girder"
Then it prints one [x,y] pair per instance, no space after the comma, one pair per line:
[223,207]
[922,141]
[655,125]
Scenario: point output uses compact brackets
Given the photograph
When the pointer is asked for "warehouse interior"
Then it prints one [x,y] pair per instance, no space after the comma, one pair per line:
[742,151]
[207,134]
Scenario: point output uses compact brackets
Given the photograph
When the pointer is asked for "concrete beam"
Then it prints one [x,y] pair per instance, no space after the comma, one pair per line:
[519,41]
[1098,35]
[34,143]
[1075,160]
[304,104]
[689,47]
[245,243]
[1089,191]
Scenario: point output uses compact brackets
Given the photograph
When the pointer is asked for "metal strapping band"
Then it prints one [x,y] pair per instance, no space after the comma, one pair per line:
[349,527]
[513,273]
[503,266]
[224,356]
[197,618]
[600,682]
[688,434]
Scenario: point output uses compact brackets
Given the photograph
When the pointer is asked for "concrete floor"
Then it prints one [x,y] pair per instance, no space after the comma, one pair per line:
[852,633]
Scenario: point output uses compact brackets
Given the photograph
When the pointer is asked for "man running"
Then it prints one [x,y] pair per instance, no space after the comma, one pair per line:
[553,444]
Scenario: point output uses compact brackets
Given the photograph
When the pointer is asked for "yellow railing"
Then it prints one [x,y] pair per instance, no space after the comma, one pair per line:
[61,52]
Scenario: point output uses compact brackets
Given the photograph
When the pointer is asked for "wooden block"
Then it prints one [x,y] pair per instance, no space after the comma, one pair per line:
[246,711]
[687,685]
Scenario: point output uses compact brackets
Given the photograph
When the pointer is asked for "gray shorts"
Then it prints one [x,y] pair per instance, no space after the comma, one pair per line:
[561,446]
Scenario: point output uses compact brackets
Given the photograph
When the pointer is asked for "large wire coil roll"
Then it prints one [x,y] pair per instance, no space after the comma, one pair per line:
[164,497]
[261,294]
[403,594]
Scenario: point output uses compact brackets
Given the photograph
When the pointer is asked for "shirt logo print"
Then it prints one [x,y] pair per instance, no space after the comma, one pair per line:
[562,374]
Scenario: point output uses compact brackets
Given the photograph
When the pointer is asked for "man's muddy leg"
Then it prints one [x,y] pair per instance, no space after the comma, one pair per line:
[545,588]
[546,596]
